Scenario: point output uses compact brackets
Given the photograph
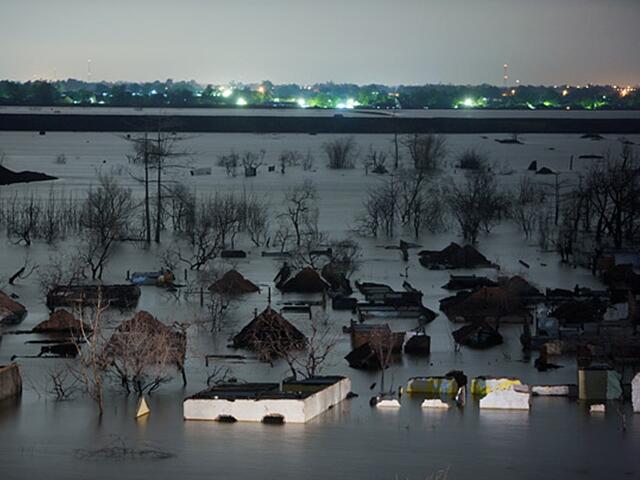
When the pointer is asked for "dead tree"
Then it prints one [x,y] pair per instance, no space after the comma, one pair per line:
[256,221]
[381,343]
[526,205]
[612,193]
[105,219]
[89,368]
[341,153]
[427,151]
[251,161]
[158,151]
[477,202]
[230,163]
[301,209]
[142,352]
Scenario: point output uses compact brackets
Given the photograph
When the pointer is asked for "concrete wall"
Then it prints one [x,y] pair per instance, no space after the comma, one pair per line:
[293,411]
[10,381]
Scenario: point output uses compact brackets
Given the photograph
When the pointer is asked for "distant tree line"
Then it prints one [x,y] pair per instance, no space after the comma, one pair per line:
[171,93]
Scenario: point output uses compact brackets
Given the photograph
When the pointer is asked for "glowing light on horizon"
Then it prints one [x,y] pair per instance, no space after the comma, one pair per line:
[241,102]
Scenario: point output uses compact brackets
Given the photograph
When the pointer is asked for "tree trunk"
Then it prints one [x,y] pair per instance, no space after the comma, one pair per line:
[159,204]
[147,211]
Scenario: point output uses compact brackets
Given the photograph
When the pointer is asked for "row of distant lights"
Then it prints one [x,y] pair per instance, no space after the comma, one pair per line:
[301,102]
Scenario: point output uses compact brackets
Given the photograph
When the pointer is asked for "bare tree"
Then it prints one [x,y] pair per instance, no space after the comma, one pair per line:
[22,218]
[472,159]
[158,151]
[305,358]
[182,206]
[526,205]
[88,370]
[105,218]
[230,162]
[476,203]
[341,152]
[612,193]
[142,352]
[381,343]
[251,161]
[375,162]
[427,151]
[63,268]
[206,240]
[301,209]
[256,221]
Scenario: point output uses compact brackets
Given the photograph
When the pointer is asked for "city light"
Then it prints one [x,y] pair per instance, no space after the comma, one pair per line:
[241,102]
[227,92]
[301,102]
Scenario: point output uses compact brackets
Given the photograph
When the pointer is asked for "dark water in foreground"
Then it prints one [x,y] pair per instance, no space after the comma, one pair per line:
[557,439]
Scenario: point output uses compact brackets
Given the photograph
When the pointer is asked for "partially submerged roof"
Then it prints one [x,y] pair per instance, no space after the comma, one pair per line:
[486,302]
[579,311]
[269,333]
[118,296]
[144,325]
[454,256]
[61,321]
[233,283]
[11,312]
[291,390]
[468,282]
[477,335]
[306,280]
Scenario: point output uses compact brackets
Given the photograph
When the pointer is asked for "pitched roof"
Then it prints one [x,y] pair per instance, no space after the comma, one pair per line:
[454,256]
[145,325]
[269,333]
[11,311]
[233,283]
[61,321]
[306,280]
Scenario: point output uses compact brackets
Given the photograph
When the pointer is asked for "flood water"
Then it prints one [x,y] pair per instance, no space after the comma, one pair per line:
[558,438]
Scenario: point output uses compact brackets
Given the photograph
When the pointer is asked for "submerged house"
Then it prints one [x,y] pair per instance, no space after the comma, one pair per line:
[62,322]
[232,283]
[291,401]
[494,305]
[382,300]
[11,312]
[468,282]
[115,296]
[170,343]
[270,334]
[577,312]
[454,257]
[306,280]
[478,335]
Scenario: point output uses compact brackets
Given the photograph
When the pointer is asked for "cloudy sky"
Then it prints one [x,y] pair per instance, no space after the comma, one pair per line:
[305,41]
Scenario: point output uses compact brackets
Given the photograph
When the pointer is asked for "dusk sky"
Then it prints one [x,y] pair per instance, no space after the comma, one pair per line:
[304,41]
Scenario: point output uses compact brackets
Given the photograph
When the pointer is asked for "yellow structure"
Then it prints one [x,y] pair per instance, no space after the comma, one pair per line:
[486,385]
[433,385]
[143,408]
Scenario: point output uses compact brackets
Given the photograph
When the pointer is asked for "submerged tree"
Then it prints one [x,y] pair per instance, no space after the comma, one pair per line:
[157,152]
[341,152]
[301,209]
[105,218]
[477,203]
[427,151]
